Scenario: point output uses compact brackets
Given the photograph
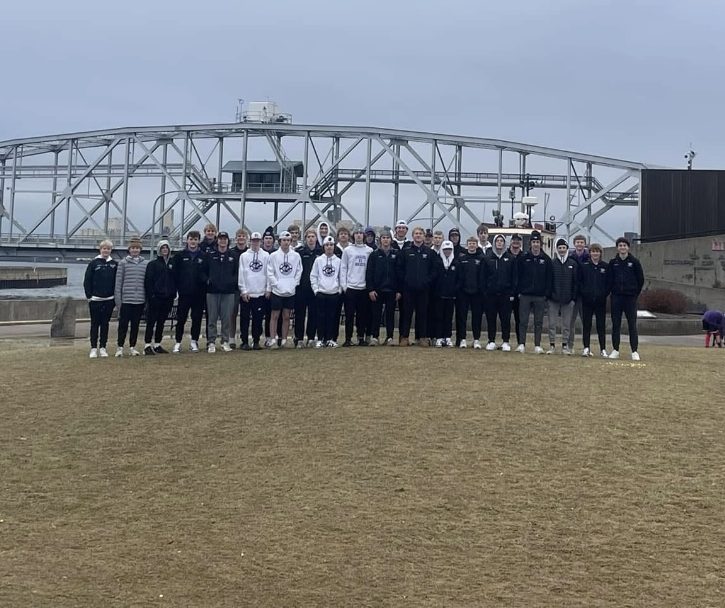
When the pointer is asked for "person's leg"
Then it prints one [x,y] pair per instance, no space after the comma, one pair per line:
[376,313]
[553,312]
[421,314]
[300,314]
[182,313]
[96,312]
[245,311]
[600,311]
[491,317]
[463,305]
[285,323]
[152,311]
[364,312]
[136,314]
[228,304]
[165,307]
[312,316]
[327,312]
[106,312]
[389,303]
[616,314]
[197,314]
[587,313]
[517,319]
[504,312]
[213,302]
[268,318]
[577,312]
[406,318]
[448,310]
[349,304]
[567,311]
[361,317]
[539,312]
[630,311]
[525,305]
[123,321]
[257,307]
[233,319]
[477,304]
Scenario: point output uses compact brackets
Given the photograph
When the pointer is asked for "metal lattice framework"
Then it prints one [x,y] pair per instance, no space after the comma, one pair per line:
[66,191]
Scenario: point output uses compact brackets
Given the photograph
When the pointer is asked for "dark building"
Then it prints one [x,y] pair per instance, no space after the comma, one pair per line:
[265,175]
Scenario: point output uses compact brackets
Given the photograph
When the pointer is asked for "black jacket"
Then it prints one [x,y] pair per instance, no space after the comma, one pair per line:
[418,267]
[625,277]
[100,278]
[534,274]
[220,272]
[381,272]
[308,259]
[207,247]
[160,281]
[187,272]
[593,281]
[565,280]
[238,252]
[500,273]
[470,273]
[446,284]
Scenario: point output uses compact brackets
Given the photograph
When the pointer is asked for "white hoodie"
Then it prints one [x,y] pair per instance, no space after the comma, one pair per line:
[353,267]
[253,273]
[321,238]
[325,275]
[284,271]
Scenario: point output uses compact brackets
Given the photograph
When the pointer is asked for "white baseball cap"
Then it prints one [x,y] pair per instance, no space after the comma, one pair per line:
[447,245]
[256,236]
[401,223]
[285,235]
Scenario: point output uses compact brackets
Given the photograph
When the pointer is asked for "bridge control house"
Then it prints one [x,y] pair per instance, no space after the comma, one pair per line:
[265,175]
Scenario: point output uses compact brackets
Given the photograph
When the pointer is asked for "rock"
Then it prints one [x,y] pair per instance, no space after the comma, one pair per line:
[64,319]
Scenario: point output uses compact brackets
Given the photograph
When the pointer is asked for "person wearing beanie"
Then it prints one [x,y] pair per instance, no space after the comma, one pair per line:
[353,267]
[399,237]
[191,289]
[284,271]
[220,273]
[99,284]
[381,280]
[428,238]
[305,301]
[268,239]
[515,251]
[564,291]
[370,238]
[445,297]
[534,287]
[501,278]
[470,296]
[325,283]
[253,288]
[160,286]
[454,236]
[625,280]
[208,243]
[130,296]
[593,295]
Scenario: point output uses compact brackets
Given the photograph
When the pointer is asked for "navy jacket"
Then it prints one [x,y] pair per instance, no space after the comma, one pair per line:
[500,274]
[381,273]
[626,277]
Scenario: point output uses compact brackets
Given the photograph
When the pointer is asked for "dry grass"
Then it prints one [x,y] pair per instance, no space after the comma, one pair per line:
[361,477]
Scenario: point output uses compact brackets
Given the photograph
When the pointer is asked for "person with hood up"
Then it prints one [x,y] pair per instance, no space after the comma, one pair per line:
[130,295]
[192,292]
[500,278]
[381,280]
[454,236]
[325,283]
[371,238]
[323,231]
[399,238]
[471,285]
[160,284]
[253,289]
[220,272]
[305,301]
[284,271]
[352,284]
[713,324]
[99,284]
[445,296]
[564,291]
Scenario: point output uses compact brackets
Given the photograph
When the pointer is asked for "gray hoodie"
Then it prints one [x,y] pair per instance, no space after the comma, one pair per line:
[130,281]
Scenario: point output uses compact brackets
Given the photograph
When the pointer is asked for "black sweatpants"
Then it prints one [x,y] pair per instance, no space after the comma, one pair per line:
[517,319]
[385,299]
[415,301]
[357,306]
[100,319]
[157,311]
[464,303]
[327,316]
[498,305]
[195,304]
[253,309]
[129,314]
[628,306]
[305,306]
[598,309]
[443,317]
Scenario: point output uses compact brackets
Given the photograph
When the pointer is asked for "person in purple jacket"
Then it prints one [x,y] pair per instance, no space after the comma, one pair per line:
[713,322]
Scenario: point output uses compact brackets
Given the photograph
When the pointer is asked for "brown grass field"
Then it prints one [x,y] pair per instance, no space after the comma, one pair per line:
[361,477]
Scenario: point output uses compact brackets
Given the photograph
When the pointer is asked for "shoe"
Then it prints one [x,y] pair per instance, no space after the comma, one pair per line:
[287,344]
[318,344]
[603,354]
[373,342]
[232,346]
[464,345]
[211,347]
[119,352]
[194,346]
[491,346]
[566,351]
[332,344]
[361,342]
[347,343]
[177,348]
[274,345]
[477,344]
[521,348]
[148,350]
[614,355]
[256,346]
[635,356]
[449,343]
[506,347]
[300,344]
[586,352]
[226,347]
[103,353]
[404,342]
[388,342]
[538,350]
[93,354]
[268,342]
[244,346]
[552,350]
[439,343]
[160,350]
[423,343]
[134,352]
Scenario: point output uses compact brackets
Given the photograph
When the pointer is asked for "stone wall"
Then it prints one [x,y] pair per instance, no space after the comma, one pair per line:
[14,311]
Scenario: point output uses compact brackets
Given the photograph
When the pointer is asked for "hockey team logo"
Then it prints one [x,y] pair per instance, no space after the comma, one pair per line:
[285,267]
[255,265]
[328,270]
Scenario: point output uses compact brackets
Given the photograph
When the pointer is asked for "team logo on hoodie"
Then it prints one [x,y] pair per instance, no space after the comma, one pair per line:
[285,267]
[328,270]
[255,265]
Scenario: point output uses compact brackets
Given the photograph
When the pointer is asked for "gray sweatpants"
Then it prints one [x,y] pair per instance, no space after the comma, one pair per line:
[566,311]
[219,306]
[572,326]
[526,303]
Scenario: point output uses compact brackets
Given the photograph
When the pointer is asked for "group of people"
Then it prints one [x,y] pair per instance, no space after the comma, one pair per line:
[434,283]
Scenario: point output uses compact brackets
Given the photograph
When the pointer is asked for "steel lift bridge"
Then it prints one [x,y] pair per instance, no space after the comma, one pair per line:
[61,194]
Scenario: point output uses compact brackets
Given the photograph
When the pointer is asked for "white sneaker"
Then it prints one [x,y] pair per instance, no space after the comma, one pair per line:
[538,350]
[93,354]
[635,356]
[464,345]
[211,347]
[318,344]
[134,352]
[268,342]
[177,348]
[506,347]
[551,351]
[388,342]
[274,345]
[614,355]
[565,351]
[119,352]
[373,342]
[449,343]
[226,347]
[331,344]
[300,344]
[521,348]
[439,343]
[194,346]
[103,353]
[586,353]
[604,354]
[492,346]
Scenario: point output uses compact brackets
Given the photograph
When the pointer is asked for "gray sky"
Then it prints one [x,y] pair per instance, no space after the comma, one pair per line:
[633,79]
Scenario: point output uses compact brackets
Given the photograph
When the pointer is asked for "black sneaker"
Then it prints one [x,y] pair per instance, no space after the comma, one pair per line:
[149,350]
[160,350]
[245,346]
[233,345]
[256,346]
[361,342]
[347,343]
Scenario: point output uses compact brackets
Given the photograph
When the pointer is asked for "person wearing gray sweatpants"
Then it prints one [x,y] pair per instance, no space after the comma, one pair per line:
[220,273]
[564,286]
[534,285]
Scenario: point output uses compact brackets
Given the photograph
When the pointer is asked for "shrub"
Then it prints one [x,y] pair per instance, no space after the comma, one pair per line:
[666,301]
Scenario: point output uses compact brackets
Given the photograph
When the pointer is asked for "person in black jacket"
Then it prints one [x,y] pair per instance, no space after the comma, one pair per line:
[534,287]
[593,294]
[381,280]
[99,283]
[562,299]
[209,242]
[192,293]
[625,280]
[470,293]
[241,237]
[220,272]
[454,236]
[515,251]
[501,277]
[160,294]
[417,271]
[445,296]
[305,302]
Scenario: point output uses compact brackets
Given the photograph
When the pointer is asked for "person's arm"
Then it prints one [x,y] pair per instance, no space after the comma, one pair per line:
[343,268]
[314,279]
[148,280]
[640,276]
[271,277]
[118,291]
[241,278]
[88,280]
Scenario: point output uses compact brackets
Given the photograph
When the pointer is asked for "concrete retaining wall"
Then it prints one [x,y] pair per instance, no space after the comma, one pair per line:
[14,311]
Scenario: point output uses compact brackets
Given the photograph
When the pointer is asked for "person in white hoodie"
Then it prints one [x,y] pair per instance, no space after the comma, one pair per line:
[354,287]
[323,231]
[284,271]
[252,289]
[325,282]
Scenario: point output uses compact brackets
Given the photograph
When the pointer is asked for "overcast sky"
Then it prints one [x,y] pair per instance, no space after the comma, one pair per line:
[632,79]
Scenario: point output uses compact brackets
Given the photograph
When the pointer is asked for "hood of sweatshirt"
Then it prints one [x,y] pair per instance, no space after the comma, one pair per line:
[319,238]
